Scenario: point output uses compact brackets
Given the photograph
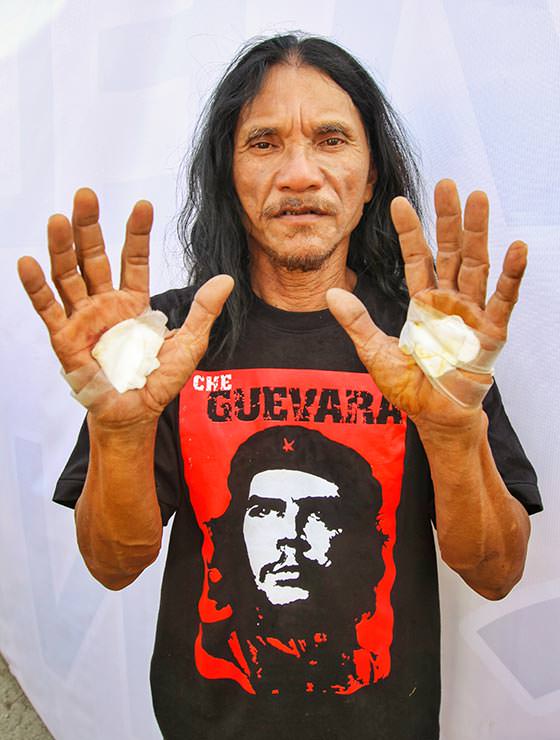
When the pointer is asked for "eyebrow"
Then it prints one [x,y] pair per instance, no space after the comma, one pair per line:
[255,498]
[257,133]
[333,127]
[329,127]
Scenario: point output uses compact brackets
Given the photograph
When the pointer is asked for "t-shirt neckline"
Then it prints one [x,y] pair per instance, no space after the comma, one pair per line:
[298,320]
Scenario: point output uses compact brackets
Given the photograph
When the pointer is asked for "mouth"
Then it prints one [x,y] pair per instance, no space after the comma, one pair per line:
[300,212]
[294,209]
[300,217]
[286,574]
[283,573]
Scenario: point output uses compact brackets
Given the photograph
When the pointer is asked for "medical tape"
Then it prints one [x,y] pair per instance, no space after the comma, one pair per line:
[442,346]
[124,357]
[85,387]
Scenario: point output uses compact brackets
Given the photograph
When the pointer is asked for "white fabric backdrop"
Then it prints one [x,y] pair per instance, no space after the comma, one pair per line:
[106,94]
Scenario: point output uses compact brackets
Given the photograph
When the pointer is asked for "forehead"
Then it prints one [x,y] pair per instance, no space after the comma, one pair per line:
[290,91]
[291,485]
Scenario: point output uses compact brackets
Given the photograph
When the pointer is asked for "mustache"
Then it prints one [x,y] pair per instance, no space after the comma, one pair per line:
[287,562]
[321,206]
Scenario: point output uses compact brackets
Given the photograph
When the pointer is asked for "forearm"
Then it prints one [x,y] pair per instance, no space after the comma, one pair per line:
[118,520]
[482,529]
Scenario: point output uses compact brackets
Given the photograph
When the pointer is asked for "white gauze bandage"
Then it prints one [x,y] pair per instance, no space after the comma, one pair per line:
[126,354]
[442,345]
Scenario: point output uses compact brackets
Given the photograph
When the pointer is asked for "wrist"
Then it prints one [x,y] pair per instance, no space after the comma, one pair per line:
[122,434]
[464,433]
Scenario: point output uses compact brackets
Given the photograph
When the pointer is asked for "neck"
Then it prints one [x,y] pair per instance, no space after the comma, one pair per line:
[296,290]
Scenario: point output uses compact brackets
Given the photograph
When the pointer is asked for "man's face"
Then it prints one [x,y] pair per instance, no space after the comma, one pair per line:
[302,168]
[288,529]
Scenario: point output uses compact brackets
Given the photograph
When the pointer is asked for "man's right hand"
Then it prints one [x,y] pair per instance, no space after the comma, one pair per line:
[82,275]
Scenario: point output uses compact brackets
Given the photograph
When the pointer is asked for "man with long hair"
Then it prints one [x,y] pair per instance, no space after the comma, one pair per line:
[303,239]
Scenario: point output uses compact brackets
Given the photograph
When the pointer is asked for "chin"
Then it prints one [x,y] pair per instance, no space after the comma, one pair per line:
[304,258]
[303,263]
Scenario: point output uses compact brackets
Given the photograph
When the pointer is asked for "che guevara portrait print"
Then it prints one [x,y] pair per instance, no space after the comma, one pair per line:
[294,477]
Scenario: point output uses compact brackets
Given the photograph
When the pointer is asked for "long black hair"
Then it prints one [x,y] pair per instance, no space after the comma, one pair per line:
[210,225]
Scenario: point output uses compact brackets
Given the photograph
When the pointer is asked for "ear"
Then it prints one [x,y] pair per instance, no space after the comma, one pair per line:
[370,185]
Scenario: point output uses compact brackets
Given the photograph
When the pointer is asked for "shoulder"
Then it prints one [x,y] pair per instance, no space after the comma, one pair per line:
[175,304]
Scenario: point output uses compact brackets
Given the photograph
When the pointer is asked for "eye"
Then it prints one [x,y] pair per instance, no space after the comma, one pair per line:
[325,513]
[333,141]
[261,145]
[259,511]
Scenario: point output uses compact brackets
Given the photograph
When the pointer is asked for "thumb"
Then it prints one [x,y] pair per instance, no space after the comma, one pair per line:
[354,318]
[207,305]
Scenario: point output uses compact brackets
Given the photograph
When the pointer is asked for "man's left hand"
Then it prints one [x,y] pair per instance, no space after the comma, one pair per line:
[459,288]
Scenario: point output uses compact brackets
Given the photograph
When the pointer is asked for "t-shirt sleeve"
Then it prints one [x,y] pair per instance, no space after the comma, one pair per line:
[168,467]
[517,472]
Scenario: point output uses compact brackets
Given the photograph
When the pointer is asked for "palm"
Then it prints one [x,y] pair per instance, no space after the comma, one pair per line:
[82,275]
[460,288]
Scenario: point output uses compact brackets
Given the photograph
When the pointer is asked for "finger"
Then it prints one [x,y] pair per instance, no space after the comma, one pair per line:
[501,304]
[90,246]
[64,265]
[42,297]
[135,274]
[207,305]
[449,233]
[473,274]
[418,261]
[354,318]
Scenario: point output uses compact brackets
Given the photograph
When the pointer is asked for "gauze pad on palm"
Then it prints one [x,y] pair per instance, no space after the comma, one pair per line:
[442,345]
[127,352]
[125,355]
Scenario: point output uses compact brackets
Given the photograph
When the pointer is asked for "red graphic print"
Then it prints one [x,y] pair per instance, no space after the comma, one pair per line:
[224,417]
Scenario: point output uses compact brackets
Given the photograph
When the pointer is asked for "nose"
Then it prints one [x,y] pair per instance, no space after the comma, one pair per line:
[298,170]
[287,525]
[292,530]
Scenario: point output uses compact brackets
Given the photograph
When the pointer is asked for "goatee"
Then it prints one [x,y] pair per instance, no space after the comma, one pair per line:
[299,262]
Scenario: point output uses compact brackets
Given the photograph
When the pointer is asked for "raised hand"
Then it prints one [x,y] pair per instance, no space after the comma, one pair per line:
[459,288]
[90,305]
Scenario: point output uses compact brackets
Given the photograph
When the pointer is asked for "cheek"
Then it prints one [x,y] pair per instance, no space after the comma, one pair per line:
[319,537]
[259,534]
[351,183]
[252,208]
[248,183]
[359,194]
[357,184]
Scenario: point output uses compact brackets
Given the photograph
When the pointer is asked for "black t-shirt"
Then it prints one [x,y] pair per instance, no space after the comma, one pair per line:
[300,596]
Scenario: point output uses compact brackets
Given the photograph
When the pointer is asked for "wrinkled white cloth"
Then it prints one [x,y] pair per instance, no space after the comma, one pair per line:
[127,352]
[441,345]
